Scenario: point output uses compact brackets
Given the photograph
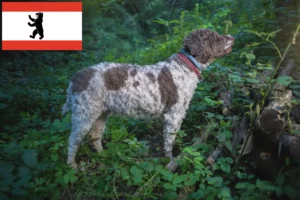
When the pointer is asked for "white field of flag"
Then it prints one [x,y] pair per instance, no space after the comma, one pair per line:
[62,26]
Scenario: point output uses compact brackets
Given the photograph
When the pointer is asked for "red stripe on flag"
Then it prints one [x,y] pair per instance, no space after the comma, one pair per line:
[41,6]
[42,45]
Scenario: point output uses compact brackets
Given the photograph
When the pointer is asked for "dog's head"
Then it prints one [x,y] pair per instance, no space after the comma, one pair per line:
[205,45]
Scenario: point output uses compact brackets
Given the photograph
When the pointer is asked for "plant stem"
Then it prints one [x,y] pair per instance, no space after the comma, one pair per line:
[278,65]
[253,118]
[115,191]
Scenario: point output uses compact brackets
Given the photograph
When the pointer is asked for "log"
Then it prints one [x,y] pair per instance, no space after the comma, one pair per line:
[293,142]
[225,96]
[286,71]
[295,114]
[273,117]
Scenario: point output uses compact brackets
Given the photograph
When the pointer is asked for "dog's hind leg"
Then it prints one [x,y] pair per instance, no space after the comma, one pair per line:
[97,132]
[82,121]
[78,132]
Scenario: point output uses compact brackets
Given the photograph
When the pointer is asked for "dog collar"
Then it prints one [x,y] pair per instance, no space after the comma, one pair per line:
[191,62]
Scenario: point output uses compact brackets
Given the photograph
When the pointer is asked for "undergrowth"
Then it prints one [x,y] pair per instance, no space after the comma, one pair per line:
[131,166]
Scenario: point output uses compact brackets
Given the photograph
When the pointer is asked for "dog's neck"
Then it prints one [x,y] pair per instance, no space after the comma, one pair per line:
[192,63]
[199,66]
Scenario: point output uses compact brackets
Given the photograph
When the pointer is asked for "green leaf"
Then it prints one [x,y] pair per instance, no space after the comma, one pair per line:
[54,157]
[23,181]
[251,80]
[280,180]
[226,168]
[215,181]
[228,145]
[66,179]
[250,56]
[147,166]
[118,134]
[5,168]
[137,175]
[241,185]
[264,185]
[188,150]
[198,159]
[279,190]
[209,114]
[167,175]
[174,22]
[39,181]
[191,179]
[284,80]
[58,173]
[235,78]
[179,179]
[169,186]
[225,192]
[125,174]
[23,171]
[30,158]
[72,176]
[19,191]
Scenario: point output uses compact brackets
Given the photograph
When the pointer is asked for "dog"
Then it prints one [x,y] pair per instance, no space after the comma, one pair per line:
[163,90]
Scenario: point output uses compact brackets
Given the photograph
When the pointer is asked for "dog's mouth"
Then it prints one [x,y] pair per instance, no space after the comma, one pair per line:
[227,51]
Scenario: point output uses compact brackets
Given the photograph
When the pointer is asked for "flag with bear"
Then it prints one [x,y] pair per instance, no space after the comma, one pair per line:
[41,26]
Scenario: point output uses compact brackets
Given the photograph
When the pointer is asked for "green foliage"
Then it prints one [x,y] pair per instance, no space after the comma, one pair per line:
[34,135]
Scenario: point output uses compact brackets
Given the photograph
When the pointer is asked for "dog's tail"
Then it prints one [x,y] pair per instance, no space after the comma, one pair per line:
[67,106]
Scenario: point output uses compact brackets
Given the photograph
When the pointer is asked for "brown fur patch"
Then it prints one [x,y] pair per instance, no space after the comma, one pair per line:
[167,87]
[136,83]
[81,79]
[205,45]
[114,78]
[133,72]
[150,76]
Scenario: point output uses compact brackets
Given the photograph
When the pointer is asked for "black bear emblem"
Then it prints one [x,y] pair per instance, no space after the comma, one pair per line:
[38,24]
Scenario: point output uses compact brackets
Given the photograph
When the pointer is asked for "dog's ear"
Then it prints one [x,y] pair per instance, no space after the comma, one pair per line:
[197,44]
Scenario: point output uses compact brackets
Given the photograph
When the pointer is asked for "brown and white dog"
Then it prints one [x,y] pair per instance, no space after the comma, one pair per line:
[163,90]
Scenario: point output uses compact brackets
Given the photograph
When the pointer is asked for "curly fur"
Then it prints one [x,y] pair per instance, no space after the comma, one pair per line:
[161,90]
[205,45]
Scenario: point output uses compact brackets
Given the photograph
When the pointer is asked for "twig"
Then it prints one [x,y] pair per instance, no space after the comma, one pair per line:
[268,88]
[115,191]
[141,188]
[278,65]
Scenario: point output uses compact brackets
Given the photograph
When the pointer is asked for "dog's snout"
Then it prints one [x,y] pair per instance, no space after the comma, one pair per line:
[229,37]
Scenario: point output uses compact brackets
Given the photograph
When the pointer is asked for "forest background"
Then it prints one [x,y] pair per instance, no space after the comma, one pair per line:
[251,160]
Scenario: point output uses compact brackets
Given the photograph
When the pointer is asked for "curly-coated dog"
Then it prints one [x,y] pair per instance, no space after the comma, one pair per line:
[161,90]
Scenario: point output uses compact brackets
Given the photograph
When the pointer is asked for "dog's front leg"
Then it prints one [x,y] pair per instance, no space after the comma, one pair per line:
[172,123]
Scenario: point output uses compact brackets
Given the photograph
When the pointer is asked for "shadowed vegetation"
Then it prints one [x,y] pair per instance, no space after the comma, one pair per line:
[250,160]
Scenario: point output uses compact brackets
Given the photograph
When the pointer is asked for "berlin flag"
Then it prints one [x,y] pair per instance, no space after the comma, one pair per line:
[41,26]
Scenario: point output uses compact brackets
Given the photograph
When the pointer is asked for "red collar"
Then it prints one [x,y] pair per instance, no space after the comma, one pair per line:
[189,64]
